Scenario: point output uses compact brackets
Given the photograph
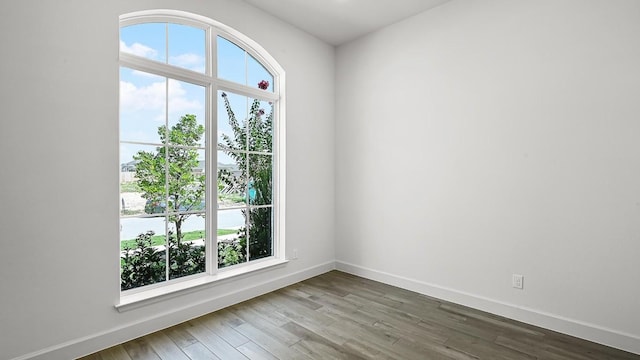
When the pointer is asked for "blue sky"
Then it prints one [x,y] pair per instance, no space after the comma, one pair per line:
[143,96]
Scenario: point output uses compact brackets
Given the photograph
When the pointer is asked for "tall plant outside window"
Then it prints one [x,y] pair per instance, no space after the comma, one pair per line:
[200,164]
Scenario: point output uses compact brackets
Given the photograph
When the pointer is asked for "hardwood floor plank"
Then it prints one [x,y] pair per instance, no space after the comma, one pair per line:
[255,318]
[95,356]
[434,350]
[335,302]
[295,311]
[364,349]
[381,311]
[268,310]
[228,318]
[347,327]
[412,332]
[215,323]
[180,335]
[255,352]
[139,349]
[325,286]
[537,349]
[197,351]
[482,349]
[470,327]
[115,353]
[165,347]
[489,319]
[279,349]
[317,346]
[304,301]
[308,289]
[213,342]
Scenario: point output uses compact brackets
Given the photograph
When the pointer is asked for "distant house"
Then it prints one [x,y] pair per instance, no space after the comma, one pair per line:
[232,168]
[129,166]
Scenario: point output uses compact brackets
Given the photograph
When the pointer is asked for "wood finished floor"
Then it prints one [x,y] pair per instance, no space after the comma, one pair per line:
[341,316]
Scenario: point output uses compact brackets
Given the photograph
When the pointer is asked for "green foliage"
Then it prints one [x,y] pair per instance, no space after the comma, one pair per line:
[231,253]
[185,258]
[260,233]
[145,264]
[168,175]
[142,265]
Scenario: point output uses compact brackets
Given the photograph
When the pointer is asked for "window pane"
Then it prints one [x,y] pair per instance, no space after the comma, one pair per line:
[187,245]
[231,62]
[187,180]
[261,126]
[187,47]
[186,113]
[140,166]
[232,120]
[232,183]
[232,240]
[260,230]
[145,40]
[132,227]
[258,75]
[142,105]
[142,255]
[260,179]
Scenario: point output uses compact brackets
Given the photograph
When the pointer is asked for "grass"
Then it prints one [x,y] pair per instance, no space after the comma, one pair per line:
[129,186]
[233,198]
[157,240]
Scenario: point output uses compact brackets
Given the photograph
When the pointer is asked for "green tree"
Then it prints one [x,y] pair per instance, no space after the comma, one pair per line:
[167,177]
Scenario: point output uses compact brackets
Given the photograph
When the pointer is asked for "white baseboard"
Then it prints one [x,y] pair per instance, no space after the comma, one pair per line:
[95,342]
[580,329]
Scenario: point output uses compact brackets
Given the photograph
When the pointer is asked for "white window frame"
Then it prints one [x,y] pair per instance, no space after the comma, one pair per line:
[134,298]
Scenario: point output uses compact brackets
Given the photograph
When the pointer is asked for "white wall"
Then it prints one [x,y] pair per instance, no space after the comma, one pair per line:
[59,113]
[485,138]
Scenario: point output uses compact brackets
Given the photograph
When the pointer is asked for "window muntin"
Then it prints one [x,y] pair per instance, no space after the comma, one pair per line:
[242,211]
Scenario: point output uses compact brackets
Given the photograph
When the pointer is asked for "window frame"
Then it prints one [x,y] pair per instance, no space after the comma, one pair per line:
[212,84]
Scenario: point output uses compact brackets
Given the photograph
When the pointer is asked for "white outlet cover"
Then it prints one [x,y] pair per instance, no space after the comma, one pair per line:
[518,281]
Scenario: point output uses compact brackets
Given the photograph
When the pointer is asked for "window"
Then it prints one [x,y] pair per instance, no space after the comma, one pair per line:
[201,150]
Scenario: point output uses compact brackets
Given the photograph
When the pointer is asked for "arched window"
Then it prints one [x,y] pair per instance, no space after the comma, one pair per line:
[201,150]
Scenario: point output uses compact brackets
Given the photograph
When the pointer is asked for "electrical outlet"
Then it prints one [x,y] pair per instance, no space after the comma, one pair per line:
[295,254]
[517,281]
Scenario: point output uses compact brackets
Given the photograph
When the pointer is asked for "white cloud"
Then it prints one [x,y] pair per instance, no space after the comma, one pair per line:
[178,100]
[139,50]
[152,97]
[189,61]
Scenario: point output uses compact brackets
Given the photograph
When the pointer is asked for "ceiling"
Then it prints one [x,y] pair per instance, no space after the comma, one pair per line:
[339,21]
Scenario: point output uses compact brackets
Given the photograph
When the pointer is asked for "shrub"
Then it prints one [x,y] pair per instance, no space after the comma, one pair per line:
[232,252]
[142,265]
[146,264]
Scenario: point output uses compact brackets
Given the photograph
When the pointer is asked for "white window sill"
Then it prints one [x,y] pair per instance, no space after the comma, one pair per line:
[146,297]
